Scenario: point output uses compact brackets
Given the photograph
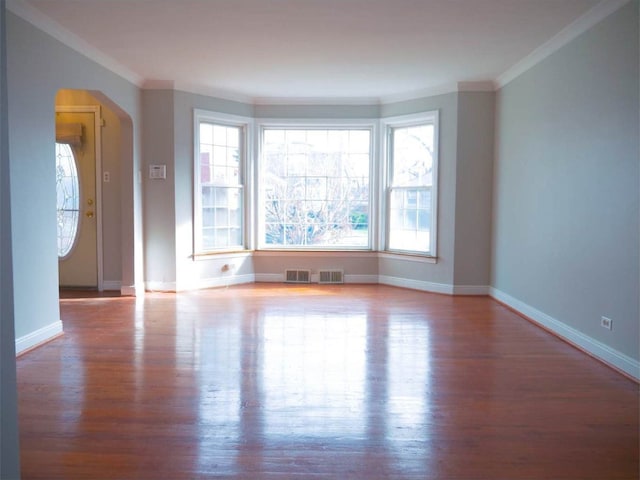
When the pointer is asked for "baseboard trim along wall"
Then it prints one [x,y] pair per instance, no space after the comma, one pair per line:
[416,284]
[40,336]
[111,285]
[224,281]
[599,350]
[132,290]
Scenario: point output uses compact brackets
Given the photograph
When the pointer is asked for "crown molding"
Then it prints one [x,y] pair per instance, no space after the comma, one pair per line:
[481,86]
[423,93]
[317,101]
[57,31]
[158,85]
[576,28]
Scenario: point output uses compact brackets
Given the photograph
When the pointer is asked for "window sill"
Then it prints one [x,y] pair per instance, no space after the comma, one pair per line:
[221,255]
[314,253]
[408,257]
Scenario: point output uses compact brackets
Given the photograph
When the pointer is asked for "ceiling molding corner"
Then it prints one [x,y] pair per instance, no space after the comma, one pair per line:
[49,26]
[478,86]
[417,94]
[151,84]
[576,28]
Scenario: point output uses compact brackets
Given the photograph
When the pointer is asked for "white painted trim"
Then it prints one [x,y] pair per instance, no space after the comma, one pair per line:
[576,28]
[38,337]
[416,284]
[485,86]
[202,257]
[317,101]
[471,290]
[407,257]
[316,253]
[222,281]
[153,286]
[71,40]
[433,91]
[598,349]
[150,84]
[111,285]
[132,290]
[220,94]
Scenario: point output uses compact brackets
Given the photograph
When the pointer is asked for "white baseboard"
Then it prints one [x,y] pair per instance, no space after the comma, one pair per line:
[200,283]
[132,290]
[416,284]
[111,285]
[223,281]
[38,337]
[598,349]
[160,286]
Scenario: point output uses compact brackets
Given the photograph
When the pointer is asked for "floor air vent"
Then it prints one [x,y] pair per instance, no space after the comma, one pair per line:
[331,276]
[297,276]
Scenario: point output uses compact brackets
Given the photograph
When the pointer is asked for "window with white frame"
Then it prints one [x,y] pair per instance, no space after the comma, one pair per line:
[411,185]
[219,185]
[315,188]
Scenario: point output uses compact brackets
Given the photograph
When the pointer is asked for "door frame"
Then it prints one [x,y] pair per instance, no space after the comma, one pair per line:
[97,126]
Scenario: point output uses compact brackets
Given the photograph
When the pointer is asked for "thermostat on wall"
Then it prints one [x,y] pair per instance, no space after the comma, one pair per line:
[157,172]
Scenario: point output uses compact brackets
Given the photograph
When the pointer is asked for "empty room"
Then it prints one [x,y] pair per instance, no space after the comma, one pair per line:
[324,239]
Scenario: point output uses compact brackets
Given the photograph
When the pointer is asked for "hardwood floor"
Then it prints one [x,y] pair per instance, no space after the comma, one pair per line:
[341,382]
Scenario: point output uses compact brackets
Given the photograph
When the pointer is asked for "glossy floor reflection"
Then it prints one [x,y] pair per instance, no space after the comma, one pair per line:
[276,382]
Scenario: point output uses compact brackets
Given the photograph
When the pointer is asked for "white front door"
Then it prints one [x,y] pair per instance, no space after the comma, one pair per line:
[77,203]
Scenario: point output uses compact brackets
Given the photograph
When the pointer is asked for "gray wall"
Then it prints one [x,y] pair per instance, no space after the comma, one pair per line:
[565,233]
[32,88]
[159,195]
[474,188]
[9,447]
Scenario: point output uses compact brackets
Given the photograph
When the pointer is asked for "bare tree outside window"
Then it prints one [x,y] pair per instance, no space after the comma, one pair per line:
[315,188]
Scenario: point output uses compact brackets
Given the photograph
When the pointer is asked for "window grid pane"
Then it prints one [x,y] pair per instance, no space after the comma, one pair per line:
[221,189]
[411,180]
[316,188]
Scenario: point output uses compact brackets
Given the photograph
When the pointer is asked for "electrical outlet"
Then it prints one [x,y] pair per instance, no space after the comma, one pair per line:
[606,323]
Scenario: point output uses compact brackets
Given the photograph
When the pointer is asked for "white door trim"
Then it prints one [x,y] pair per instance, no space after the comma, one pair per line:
[97,125]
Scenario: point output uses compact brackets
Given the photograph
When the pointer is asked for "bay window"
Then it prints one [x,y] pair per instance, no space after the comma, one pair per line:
[316,185]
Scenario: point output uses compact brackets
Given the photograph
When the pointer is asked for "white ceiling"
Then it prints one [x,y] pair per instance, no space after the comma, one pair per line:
[258,50]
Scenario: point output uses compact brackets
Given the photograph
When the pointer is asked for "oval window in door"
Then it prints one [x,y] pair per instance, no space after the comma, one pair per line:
[68,198]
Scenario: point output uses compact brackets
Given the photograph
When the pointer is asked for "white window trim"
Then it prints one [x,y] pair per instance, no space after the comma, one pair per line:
[318,123]
[386,125]
[246,166]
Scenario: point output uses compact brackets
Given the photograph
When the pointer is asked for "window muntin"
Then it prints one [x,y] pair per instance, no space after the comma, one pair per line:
[315,188]
[411,187]
[219,223]
[68,199]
